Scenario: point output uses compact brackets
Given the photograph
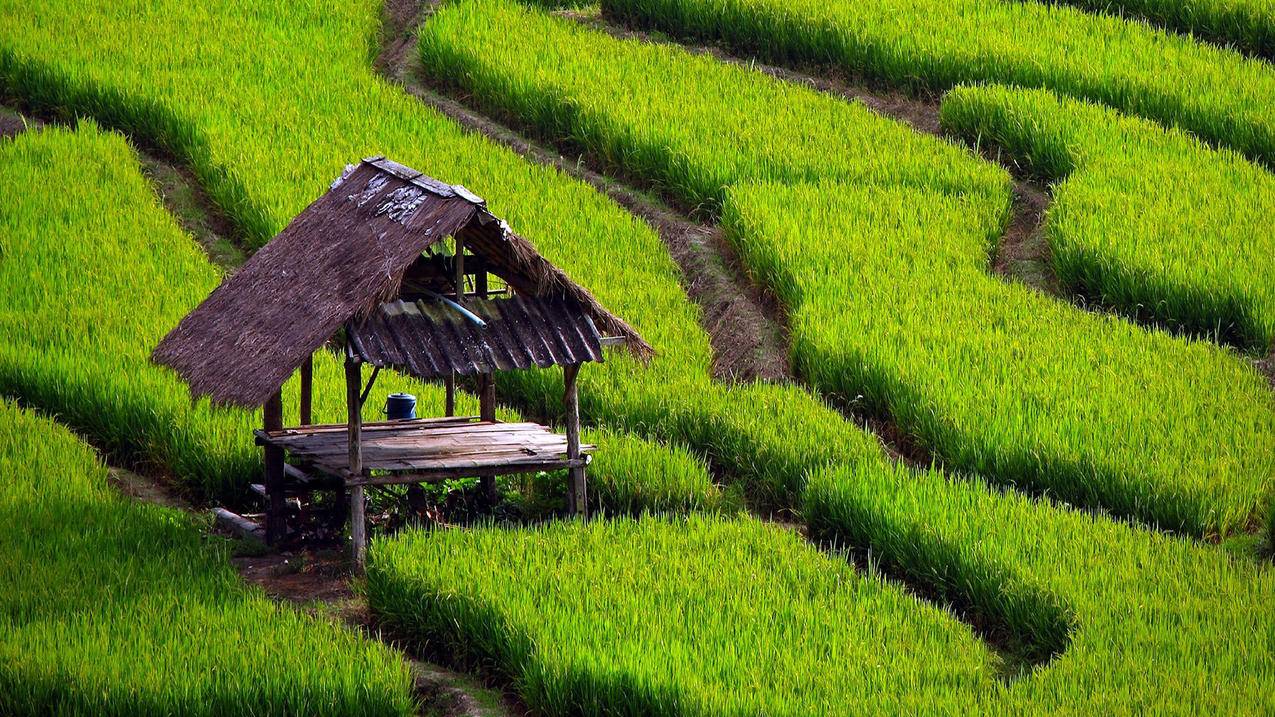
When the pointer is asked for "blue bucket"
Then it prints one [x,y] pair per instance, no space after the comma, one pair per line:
[400,406]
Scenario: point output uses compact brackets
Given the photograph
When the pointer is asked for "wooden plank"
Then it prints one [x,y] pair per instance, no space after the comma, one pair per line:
[439,475]
[367,427]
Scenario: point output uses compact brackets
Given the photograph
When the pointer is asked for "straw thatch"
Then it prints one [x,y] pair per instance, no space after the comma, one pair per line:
[340,259]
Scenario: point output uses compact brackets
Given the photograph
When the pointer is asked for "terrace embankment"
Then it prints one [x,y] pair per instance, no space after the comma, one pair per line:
[318,581]
[1023,254]
[175,185]
[735,311]
[746,325]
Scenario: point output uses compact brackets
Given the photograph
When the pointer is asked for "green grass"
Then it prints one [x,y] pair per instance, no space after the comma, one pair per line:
[937,44]
[83,354]
[259,102]
[652,617]
[228,100]
[893,307]
[118,608]
[724,617]
[1246,25]
[901,316]
[1147,220]
[568,91]
[1158,623]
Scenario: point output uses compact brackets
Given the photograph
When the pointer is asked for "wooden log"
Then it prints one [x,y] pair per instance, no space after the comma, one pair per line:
[237,524]
[579,500]
[354,425]
[276,515]
[307,390]
[449,403]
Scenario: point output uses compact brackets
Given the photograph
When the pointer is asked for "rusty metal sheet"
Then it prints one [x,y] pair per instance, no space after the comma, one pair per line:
[429,339]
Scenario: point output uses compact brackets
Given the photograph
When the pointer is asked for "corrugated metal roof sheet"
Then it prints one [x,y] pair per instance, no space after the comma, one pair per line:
[430,338]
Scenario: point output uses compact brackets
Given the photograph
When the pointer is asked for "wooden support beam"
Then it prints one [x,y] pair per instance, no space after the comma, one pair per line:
[307,390]
[579,498]
[486,386]
[449,403]
[458,261]
[276,515]
[354,426]
[438,476]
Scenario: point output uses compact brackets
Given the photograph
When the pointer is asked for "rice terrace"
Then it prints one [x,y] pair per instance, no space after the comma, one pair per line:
[642,357]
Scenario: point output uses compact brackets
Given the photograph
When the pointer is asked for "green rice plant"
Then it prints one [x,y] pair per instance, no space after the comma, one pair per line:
[1147,220]
[1246,25]
[719,617]
[936,44]
[902,317]
[567,92]
[267,102]
[631,476]
[232,111]
[1158,624]
[691,617]
[112,607]
[83,354]
[897,313]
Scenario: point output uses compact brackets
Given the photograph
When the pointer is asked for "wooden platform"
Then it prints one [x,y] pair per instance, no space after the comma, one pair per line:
[427,450]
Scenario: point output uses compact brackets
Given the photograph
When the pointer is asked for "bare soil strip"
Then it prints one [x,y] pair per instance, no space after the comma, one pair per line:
[198,215]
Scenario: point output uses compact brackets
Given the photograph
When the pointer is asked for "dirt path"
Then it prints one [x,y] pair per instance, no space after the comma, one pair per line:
[318,581]
[194,210]
[175,185]
[746,326]
[1023,255]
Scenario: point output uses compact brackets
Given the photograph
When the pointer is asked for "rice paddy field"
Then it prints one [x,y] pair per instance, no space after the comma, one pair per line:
[967,493]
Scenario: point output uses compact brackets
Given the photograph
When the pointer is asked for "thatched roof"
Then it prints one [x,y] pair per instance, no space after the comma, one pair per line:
[340,259]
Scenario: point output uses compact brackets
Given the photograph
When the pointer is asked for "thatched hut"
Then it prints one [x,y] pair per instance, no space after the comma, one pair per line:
[400,271]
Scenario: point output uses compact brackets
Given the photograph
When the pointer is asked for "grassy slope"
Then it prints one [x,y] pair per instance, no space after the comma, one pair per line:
[990,377]
[266,127]
[698,616]
[1246,25]
[1214,93]
[117,608]
[84,354]
[771,436]
[1144,219]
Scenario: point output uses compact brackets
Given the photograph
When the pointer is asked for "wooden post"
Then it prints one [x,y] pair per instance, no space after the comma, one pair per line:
[276,505]
[579,499]
[449,403]
[307,389]
[458,262]
[358,521]
[486,386]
